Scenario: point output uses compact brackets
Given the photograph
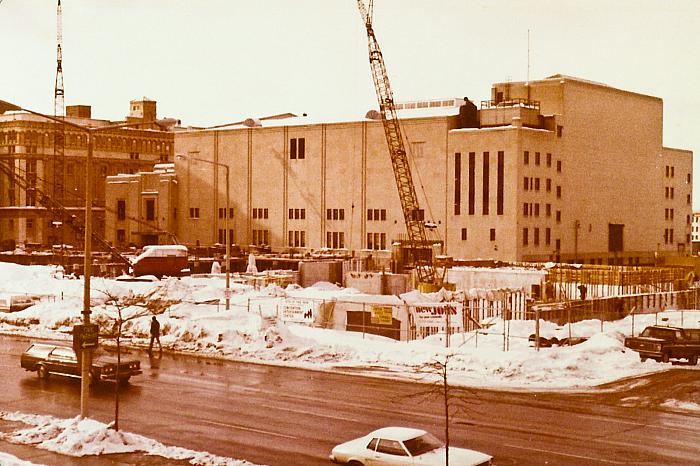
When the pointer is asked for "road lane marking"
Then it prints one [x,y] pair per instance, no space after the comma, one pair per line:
[581,457]
[249,429]
[327,416]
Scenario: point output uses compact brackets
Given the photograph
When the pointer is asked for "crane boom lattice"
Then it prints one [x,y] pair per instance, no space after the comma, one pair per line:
[420,249]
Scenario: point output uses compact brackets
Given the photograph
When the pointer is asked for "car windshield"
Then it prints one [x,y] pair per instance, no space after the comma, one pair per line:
[423,444]
[655,332]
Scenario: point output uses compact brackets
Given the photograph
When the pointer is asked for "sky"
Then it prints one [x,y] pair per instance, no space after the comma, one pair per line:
[216,61]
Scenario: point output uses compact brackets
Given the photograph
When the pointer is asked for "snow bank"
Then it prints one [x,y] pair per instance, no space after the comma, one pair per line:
[253,330]
[85,437]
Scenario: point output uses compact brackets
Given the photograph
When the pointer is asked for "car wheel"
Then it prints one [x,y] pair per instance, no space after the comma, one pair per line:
[124,380]
[693,360]
[355,463]
[665,356]
[642,358]
[42,372]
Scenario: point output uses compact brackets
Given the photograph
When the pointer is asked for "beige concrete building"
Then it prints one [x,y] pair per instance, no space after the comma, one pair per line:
[559,168]
[27,150]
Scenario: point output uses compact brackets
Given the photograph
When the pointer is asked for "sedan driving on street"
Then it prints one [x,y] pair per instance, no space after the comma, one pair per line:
[45,359]
[400,446]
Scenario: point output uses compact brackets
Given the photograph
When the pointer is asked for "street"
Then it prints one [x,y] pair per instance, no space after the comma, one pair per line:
[286,416]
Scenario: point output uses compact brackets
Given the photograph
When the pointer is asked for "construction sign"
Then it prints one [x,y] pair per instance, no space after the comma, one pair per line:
[381,315]
[299,310]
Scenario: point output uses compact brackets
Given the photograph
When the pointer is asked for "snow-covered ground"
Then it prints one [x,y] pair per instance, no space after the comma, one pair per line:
[84,437]
[252,331]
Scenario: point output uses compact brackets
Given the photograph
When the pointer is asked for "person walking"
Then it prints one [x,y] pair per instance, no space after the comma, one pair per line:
[155,335]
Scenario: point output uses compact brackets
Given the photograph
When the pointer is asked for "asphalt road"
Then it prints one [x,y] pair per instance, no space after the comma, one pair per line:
[285,416]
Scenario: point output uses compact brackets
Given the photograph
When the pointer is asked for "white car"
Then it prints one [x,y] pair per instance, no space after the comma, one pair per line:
[402,445]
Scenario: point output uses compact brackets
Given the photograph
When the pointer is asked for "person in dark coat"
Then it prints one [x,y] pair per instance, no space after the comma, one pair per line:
[155,335]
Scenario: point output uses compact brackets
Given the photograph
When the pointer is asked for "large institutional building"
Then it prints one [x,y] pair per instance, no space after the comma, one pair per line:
[32,168]
[556,169]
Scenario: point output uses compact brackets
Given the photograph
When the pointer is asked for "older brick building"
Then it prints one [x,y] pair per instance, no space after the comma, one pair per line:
[27,150]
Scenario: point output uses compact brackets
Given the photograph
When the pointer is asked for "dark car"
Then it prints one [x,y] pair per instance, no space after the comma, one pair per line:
[664,343]
[46,359]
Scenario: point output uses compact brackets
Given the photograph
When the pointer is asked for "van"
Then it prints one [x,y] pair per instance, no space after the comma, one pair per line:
[12,302]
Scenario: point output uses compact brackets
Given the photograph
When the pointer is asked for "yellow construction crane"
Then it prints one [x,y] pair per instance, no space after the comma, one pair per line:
[420,253]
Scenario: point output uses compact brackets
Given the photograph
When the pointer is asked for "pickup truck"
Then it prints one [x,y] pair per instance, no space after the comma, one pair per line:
[46,359]
[663,343]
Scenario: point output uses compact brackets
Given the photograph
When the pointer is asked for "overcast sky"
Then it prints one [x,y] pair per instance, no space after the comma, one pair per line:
[214,61]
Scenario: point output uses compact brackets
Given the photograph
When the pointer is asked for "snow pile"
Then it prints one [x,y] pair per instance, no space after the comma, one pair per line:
[83,437]
[682,405]
[9,460]
[253,330]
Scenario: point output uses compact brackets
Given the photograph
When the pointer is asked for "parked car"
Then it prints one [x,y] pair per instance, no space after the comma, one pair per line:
[663,343]
[47,359]
[401,446]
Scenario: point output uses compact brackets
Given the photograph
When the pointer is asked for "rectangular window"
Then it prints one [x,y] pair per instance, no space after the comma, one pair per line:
[526,183]
[558,192]
[302,148]
[296,239]
[150,209]
[526,210]
[464,234]
[499,183]
[418,215]
[121,209]
[560,131]
[485,185]
[537,209]
[376,241]
[525,238]
[548,210]
[458,183]
[121,236]
[549,159]
[547,236]
[472,177]
[537,184]
[526,157]
[194,212]
[492,234]
[672,189]
[548,185]
[261,237]
[293,148]
[559,165]
[558,216]
[536,237]
[537,158]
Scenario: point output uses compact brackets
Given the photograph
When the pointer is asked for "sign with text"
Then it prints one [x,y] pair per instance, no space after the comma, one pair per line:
[381,315]
[437,317]
[299,310]
[85,336]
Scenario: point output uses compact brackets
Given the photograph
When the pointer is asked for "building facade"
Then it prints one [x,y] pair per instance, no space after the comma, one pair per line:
[31,169]
[556,169]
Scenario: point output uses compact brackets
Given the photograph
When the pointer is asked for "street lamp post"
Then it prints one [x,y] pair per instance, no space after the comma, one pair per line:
[227,215]
[87,260]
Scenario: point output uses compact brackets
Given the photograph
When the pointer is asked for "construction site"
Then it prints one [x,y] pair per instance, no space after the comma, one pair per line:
[55,168]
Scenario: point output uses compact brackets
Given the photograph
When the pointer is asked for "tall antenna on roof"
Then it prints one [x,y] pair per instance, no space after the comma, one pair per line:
[59,111]
[527,84]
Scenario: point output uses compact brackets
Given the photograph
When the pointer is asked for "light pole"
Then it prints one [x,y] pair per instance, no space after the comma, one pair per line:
[227,217]
[87,261]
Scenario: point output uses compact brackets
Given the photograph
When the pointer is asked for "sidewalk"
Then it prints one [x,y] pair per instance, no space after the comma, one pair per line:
[48,458]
